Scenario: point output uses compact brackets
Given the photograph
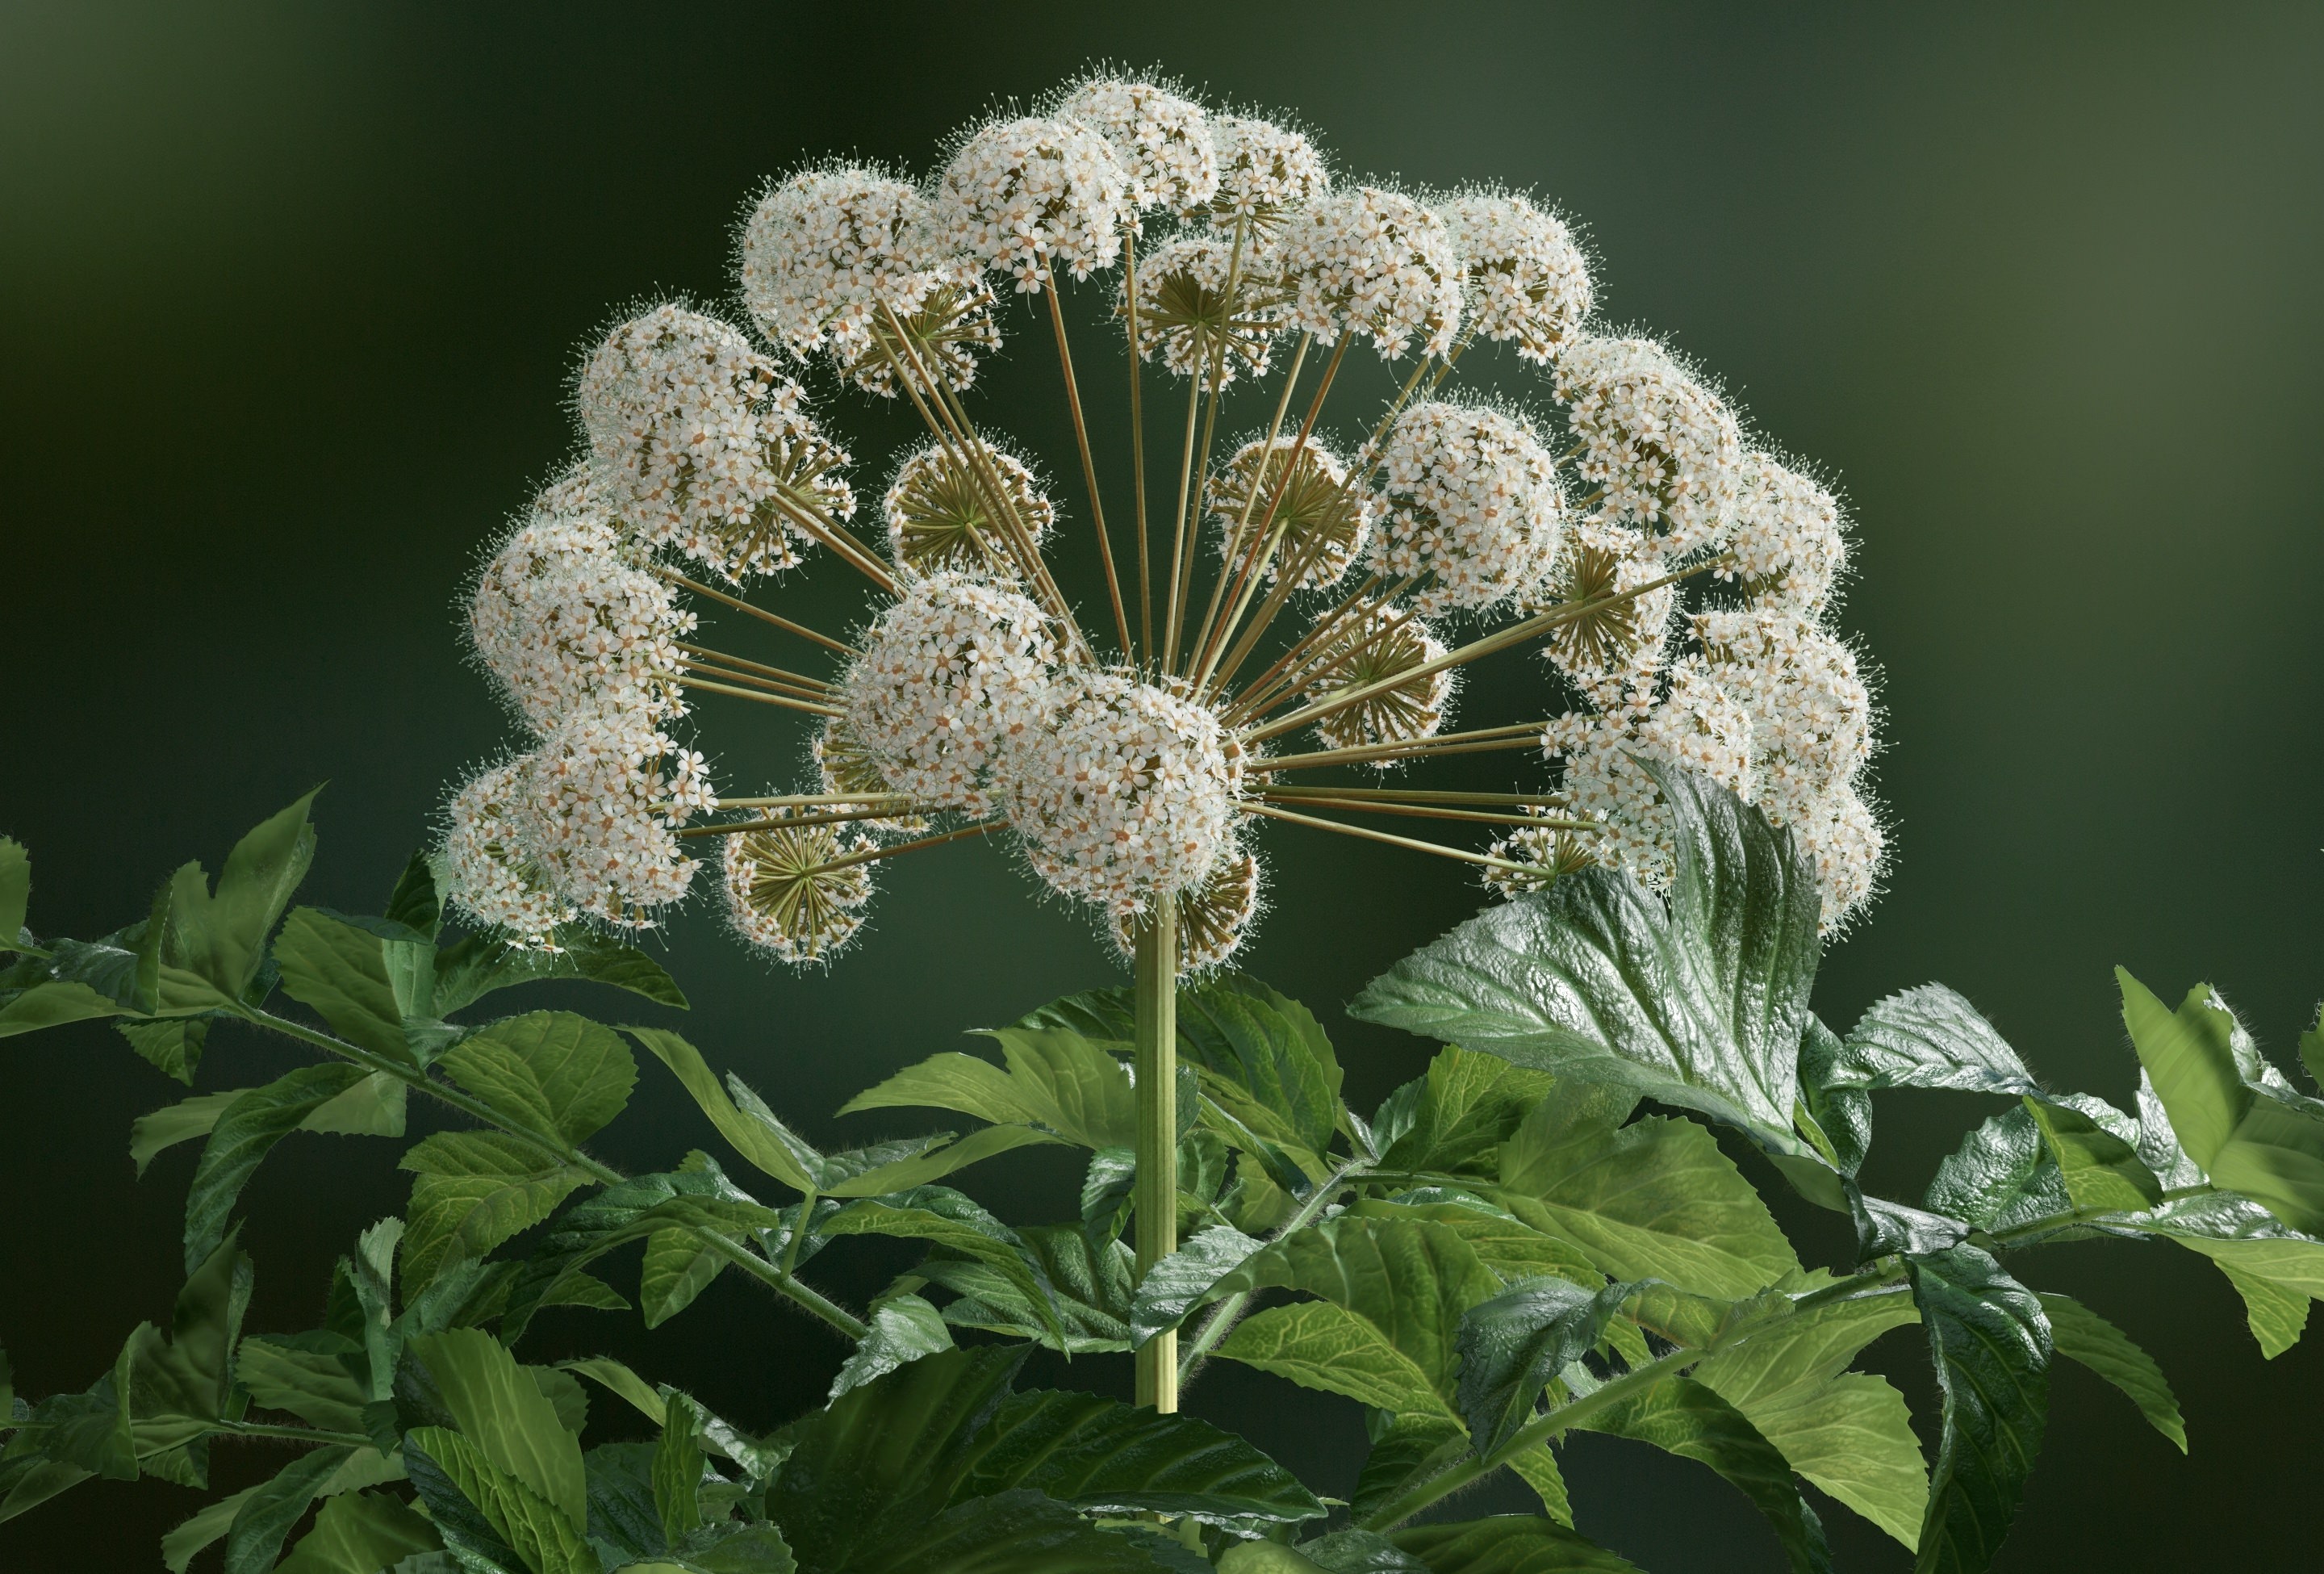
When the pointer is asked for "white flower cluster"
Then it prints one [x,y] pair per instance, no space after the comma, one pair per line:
[1613,653]
[827,251]
[784,894]
[1213,916]
[1376,264]
[486,870]
[1324,522]
[939,512]
[1379,644]
[1127,793]
[603,796]
[1468,504]
[699,443]
[563,616]
[1022,195]
[1665,450]
[1787,543]
[1265,171]
[952,674]
[1528,282]
[1187,314]
[1160,138]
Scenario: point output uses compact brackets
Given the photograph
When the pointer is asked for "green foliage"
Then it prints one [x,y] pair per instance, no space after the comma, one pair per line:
[2082,1335]
[1991,1341]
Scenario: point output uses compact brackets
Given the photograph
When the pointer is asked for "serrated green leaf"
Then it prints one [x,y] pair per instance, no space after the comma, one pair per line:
[315,1385]
[268,1515]
[1455,1118]
[1184,1280]
[172,1045]
[360,1533]
[504,1413]
[200,1529]
[1091,1283]
[752,1138]
[548,1071]
[951,1222]
[52,1004]
[935,1160]
[904,1327]
[482,1510]
[341,971]
[178,1123]
[1681,1416]
[1990,1344]
[1512,1249]
[1054,1078]
[2100,1168]
[473,1189]
[1512,1345]
[1698,1002]
[1655,1199]
[619,1379]
[1320,1346]
[678,1266]
[677,1471]
[245,1133]
[1931,1037]
[217,939]
[1853,1436]
[1507,1545]
[477,965]
[2082,1335]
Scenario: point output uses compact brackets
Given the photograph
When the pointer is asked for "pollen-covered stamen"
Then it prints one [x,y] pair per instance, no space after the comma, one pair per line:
[785,893]
[1197,304]
[1320,525]
[939,516]
[1373,652]
[1213,917]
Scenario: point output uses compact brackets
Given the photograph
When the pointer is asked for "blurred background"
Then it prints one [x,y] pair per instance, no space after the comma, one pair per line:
[288,298]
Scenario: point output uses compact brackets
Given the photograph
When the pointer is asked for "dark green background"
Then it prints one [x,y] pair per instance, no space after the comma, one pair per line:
[287,301]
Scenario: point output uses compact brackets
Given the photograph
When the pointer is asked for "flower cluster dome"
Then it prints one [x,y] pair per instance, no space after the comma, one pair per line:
[1161,138]
[1023,196]
[1266,171]
[1375,264]
[826,252]
[1528,282]
[1666,449]
[1469,505]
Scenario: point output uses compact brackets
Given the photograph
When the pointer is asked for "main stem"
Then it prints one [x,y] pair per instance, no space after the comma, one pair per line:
[1155,1190]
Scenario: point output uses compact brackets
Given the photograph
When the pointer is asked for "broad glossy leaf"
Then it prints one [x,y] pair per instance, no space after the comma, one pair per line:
[725,1549]
[245,1133]
[341,970]
[1054,1078]
[1012,1532]
[1655,1199]
[1514,1344]
[267,1517]
[172,1045]
[1931,1037]
[360,1533]
[1090,1284]
[1353,1552]
[217,939]
[484,1511]
[1182,1281]
[480,964]
[750,1137]
[904,1327]
[504,1413]
[2082,1335]
[1455,1118]
[294,1374]
[1512,1249]
[1318,1344]
[948,1220]
[1990,1344]
[1103,1456]
[548,1071]
[1408,1450]
[1883,1227]
[1507,1545]
[679,1265]
[472,1191]
[1853,1436]
[1681,1416]
[51,1004]
[1699,1001]
[2100,1168]
[1838,1111]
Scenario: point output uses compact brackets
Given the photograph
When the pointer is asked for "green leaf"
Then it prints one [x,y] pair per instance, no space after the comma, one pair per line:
[2082,1335]
[245,1133]
[1699,1001]
[1853,1436]
[467,972]
[315,1384]
[52,1004]
[1320,1346]
[415,903]
[472,1191]
[341,970]
[360,1533]
[178,1123]
[173,1045]
[548,1071]
[678,1266]
[2278,1316]
[904,1327]
[1514,1344]
[1103,1457]
[2100,1168]
[1262,1059]
[1184,1280]
[1512,1249]
[951,1222]
[1090,1281]
[217,939]
[1507,1545]
[1053,1080]
[677,1470]
[200,1529]
[1931,1037]
[269,1513]
[1012,1532]
[921,1161]
[1455,1118]
[1681,1416]
[15,892]
[752,1138]
[1655,1199]
[482,1510]
[619,1379]
[503,1412]
[1990,1344]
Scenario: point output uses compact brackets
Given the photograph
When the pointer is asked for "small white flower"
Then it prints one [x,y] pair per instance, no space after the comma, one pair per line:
[1376,264]
[1022,195]
[1213,916]
[604,795]
[1665,451]
[1614,653]
[1790,544]
[1528,282]
[1162,139]
[490,875]
[1811,711]
[1468,502]
[828,250]
[1265,171]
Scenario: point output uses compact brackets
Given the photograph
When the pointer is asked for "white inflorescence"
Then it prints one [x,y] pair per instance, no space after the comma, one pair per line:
[487,871]
[1265,171]
[606,793]
[827,250]
[1213,916]
[1375,264]
[1468,501]
[1188,317]
[1812,711]
[1127,795]
[784,896]
[1023,196]
[562,617]
[1529,283]
[1162,140]
[1789,544]
[940,514]
[1323,521]
[953,673]
[698,439]
[1666,450]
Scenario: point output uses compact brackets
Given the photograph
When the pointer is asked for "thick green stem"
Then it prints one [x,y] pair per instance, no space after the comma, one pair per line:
[750,1262]
[1156,1190]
